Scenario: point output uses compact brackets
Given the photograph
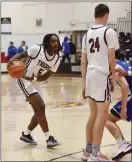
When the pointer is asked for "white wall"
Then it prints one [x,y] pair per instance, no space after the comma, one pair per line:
[56,16]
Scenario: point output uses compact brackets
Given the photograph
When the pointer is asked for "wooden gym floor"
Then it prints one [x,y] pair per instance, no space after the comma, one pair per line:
[67,114]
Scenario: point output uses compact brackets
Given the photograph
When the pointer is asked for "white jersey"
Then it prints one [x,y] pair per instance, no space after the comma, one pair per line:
[40,62]
[96,43]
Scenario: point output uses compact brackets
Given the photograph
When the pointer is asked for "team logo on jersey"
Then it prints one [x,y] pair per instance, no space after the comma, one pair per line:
[43,65]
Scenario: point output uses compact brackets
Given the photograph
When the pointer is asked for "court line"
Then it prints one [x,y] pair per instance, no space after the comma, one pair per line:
[76,153]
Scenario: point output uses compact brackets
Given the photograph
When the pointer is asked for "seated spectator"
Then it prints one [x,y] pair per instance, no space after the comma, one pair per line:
[23,47]
[128,35]
[122,38]
[12,50]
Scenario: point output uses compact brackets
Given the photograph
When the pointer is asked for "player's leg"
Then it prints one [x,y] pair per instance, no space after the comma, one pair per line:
[31,93]
[89,129]
[111,125]
[124,146]
[26,135]
[102,97]
[38,103]
[34,121]
[102,114]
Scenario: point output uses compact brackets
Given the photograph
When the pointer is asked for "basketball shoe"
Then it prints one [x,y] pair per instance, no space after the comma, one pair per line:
[85,155]
[52,142]
[28,139]
[126,148]
[100,157]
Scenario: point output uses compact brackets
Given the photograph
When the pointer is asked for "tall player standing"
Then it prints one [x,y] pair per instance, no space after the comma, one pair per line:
[98,61]
[43,60]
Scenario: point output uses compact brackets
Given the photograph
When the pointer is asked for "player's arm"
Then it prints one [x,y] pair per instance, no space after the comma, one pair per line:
[84,63]
[83,68]
[18,56]
[84,60]
[124,89]
[50,72]
[123,72]
[45,76]
[31,52]
[112,61]
[40,78]
[113,45]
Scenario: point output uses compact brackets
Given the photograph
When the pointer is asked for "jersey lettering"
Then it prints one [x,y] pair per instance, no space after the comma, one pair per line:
[40,71]
[43,65]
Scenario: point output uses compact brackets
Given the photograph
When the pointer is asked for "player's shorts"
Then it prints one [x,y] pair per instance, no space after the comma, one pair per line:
[117,109]
[28,88]
[98,86]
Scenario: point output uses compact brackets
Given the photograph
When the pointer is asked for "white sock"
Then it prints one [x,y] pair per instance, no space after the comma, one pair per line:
[27,131]
[47,134]
[121,141]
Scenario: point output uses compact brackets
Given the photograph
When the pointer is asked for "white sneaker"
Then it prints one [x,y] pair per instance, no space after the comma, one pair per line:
[125,149]
[85,155]
[100,157]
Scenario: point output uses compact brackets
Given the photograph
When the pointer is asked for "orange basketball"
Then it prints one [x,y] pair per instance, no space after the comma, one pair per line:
[16,69]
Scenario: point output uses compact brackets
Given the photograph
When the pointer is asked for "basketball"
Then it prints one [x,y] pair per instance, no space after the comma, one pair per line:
[16,69]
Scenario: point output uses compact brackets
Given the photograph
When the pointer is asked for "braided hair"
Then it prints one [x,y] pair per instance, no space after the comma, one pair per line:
[47,39]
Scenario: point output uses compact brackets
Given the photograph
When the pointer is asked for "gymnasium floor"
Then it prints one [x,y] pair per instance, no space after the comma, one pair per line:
[67,114]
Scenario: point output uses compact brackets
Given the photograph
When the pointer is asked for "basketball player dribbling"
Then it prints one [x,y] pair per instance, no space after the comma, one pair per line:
[122,110]
[43,60]
[97,63]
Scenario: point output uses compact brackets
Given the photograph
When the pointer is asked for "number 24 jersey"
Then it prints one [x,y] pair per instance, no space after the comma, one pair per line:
[96,43]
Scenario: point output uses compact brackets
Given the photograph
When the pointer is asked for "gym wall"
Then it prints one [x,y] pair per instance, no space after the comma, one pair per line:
[56,16]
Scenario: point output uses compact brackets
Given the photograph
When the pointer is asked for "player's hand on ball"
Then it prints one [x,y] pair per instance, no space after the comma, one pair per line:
[123,113]
[10,62]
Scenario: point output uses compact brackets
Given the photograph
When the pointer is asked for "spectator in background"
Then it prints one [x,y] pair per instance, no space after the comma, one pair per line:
[23,47]
[121,39]
[127,46]
[128,35]
[12,50]
[72,51]
[66,50]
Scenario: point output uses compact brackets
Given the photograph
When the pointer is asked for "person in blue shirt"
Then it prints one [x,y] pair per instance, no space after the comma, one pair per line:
[122,110]
[22,48]
[66,49]
[12,50]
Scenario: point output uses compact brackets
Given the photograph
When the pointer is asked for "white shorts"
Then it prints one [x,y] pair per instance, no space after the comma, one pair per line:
[98,86]
[28,88]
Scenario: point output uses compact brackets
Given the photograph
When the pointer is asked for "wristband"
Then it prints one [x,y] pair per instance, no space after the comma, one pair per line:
[129,73]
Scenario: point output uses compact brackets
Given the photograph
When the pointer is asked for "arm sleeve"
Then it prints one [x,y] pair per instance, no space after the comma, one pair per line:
[112,39]
[33,51]
[84,48]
